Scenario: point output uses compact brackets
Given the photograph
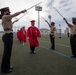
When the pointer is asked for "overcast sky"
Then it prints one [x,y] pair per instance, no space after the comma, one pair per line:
[67,8]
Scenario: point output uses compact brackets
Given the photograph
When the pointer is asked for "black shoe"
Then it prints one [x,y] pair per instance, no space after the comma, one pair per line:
[11,67]
[9,71]
[34,52]
[73,56]
[52,49]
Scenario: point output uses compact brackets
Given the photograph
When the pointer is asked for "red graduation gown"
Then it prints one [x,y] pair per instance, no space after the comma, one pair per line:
[33,33]
[23,35]
[19,35]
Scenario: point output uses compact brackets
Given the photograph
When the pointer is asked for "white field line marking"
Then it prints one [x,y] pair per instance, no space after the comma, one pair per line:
[55,43]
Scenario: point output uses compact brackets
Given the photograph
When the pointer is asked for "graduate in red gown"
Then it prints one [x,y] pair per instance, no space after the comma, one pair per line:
[19,35]
[33,34]
[23,35]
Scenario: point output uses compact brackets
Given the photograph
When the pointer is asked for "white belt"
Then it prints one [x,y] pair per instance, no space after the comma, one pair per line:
[52,33]
[8,32]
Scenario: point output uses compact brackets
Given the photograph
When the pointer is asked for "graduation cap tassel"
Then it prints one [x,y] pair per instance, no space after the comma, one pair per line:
[29,9]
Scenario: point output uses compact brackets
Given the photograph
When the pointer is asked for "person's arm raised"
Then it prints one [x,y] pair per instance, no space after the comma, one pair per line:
[47,23]
[18,13]
[67,22]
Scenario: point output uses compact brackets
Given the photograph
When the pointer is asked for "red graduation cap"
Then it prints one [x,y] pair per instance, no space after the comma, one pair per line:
[32,21]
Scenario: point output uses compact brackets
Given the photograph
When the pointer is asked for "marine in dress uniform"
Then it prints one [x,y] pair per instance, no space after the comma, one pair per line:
[73,35]
[7,38]
[52,34]
[33,33]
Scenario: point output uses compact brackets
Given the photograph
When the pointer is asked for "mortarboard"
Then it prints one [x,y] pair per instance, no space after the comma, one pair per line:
[32,21]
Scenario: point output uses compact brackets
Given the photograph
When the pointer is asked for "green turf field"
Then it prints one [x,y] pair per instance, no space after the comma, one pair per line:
[45,61]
